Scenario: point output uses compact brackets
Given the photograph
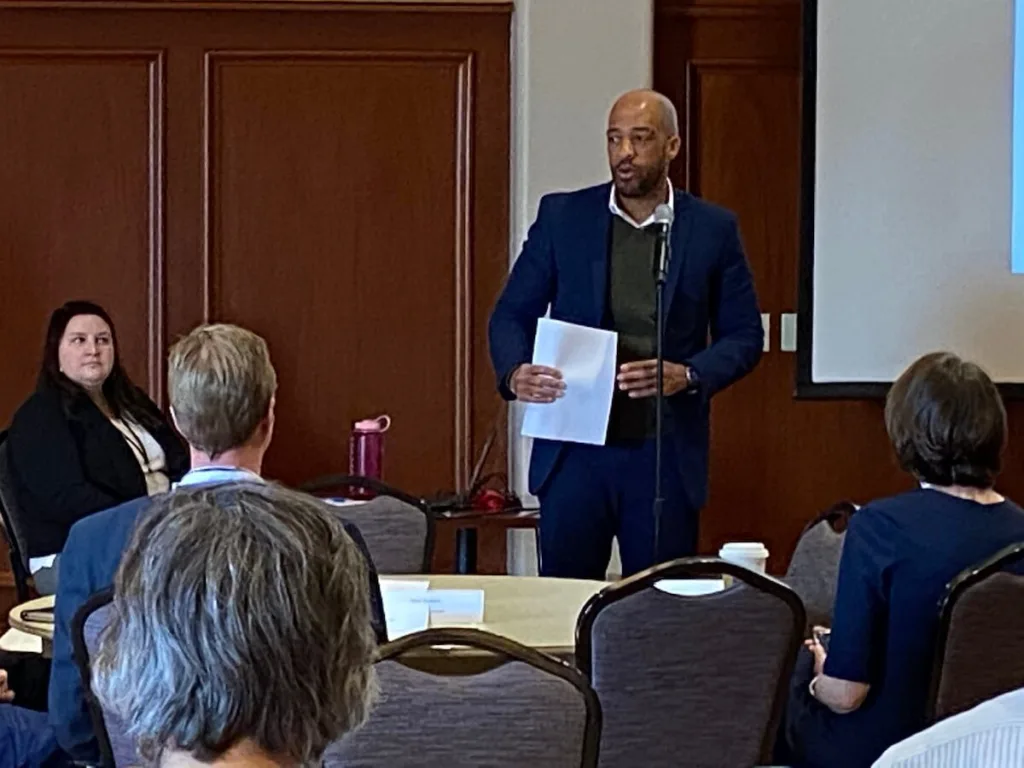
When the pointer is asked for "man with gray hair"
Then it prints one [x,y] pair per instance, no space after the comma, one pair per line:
[239,632]
[221,386]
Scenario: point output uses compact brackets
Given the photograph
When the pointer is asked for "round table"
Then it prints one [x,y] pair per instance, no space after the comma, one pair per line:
[43,629]
[535,611]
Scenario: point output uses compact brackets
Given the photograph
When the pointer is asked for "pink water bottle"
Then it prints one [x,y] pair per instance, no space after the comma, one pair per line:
[366,450]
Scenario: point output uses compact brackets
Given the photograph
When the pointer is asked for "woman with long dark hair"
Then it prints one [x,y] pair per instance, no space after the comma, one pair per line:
[87,439]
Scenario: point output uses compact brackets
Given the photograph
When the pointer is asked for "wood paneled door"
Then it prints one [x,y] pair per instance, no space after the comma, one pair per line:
[733,68]
[332,175]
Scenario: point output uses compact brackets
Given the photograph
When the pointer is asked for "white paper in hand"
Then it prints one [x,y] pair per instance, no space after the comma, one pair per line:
[586,358]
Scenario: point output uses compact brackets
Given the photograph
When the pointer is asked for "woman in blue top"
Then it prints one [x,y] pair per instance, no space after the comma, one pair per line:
[947,424]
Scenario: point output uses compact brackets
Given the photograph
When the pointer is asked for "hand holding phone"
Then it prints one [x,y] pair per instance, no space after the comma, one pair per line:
[822,635]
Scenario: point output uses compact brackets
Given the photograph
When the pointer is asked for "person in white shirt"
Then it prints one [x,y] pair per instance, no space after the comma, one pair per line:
[989,736]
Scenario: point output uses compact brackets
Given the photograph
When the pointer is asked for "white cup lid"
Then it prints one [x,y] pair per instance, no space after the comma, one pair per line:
[744,549]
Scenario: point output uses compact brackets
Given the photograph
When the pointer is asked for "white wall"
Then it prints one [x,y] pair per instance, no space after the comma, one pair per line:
[570,59]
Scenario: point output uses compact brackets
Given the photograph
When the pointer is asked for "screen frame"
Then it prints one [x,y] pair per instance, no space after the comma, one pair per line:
[806,387]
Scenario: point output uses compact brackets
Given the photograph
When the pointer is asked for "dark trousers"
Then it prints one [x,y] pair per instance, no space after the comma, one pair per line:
[597,493]
[812,736]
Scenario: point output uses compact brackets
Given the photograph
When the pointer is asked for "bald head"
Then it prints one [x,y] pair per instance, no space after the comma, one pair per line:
[644,102]
[643,140]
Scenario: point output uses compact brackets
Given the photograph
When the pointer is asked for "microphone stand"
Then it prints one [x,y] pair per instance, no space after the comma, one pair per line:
[662,256]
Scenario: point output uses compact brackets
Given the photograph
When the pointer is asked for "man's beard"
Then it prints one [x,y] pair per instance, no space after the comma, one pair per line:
[644,182]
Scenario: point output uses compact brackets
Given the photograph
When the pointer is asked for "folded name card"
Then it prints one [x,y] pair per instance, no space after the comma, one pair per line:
[450,607]
[410,607]
[403,617]
[399,585]
[690,587]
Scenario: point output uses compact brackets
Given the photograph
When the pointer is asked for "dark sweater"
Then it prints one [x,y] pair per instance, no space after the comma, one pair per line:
[69,464]
[631,313]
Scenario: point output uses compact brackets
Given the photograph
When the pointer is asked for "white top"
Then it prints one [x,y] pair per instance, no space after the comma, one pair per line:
[148,453]
[613,206]
[989,736]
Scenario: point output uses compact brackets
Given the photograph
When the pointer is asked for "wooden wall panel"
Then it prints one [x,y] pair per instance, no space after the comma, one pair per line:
[333,175]
[80,176]
[356,229]
[729,100]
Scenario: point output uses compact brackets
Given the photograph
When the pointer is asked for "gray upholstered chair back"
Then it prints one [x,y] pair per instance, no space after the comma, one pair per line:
[695,681]
[398,528]
[117,748]
[980,652]
[529,710]
[814,570]
[396,533]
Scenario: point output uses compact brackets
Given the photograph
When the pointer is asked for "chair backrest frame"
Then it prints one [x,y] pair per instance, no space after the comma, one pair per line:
[19,561]
[814,565]
[839,514]
[502,646]
[696,568]
[964,581]
[329,482]
[80,652]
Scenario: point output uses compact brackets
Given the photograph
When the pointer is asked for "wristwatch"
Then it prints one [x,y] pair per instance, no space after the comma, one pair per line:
[692,379]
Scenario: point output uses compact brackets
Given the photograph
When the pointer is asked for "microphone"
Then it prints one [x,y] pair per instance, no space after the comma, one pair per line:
[663,216]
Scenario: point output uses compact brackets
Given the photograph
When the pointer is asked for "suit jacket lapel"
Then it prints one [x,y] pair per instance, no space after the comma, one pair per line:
[594,240]
[679,240]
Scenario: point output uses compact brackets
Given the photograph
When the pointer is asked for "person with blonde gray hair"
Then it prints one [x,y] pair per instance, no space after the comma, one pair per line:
[239,633]
[221,386]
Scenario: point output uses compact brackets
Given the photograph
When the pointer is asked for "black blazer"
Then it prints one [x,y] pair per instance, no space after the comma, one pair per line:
[67,465]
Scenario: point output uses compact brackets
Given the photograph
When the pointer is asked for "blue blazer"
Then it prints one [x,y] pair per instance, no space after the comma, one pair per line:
[88,564]
[564,264]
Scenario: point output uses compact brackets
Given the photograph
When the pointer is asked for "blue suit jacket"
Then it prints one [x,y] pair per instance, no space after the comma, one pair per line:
[564,264]
[88,564]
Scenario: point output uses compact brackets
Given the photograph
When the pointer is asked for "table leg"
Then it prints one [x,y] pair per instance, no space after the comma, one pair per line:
[465,550]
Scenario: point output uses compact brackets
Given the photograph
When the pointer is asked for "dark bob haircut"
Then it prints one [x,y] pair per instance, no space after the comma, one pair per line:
[947,422]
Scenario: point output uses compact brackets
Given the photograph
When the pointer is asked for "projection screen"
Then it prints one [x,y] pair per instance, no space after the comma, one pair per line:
[912,235]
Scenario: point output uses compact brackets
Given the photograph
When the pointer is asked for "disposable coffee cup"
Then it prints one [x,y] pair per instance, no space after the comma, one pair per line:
[749,554]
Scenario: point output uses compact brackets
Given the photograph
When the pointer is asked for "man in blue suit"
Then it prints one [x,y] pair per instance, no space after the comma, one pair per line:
[589,257]
[222,387]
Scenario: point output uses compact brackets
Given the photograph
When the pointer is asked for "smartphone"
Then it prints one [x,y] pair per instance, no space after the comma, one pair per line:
[823,636]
